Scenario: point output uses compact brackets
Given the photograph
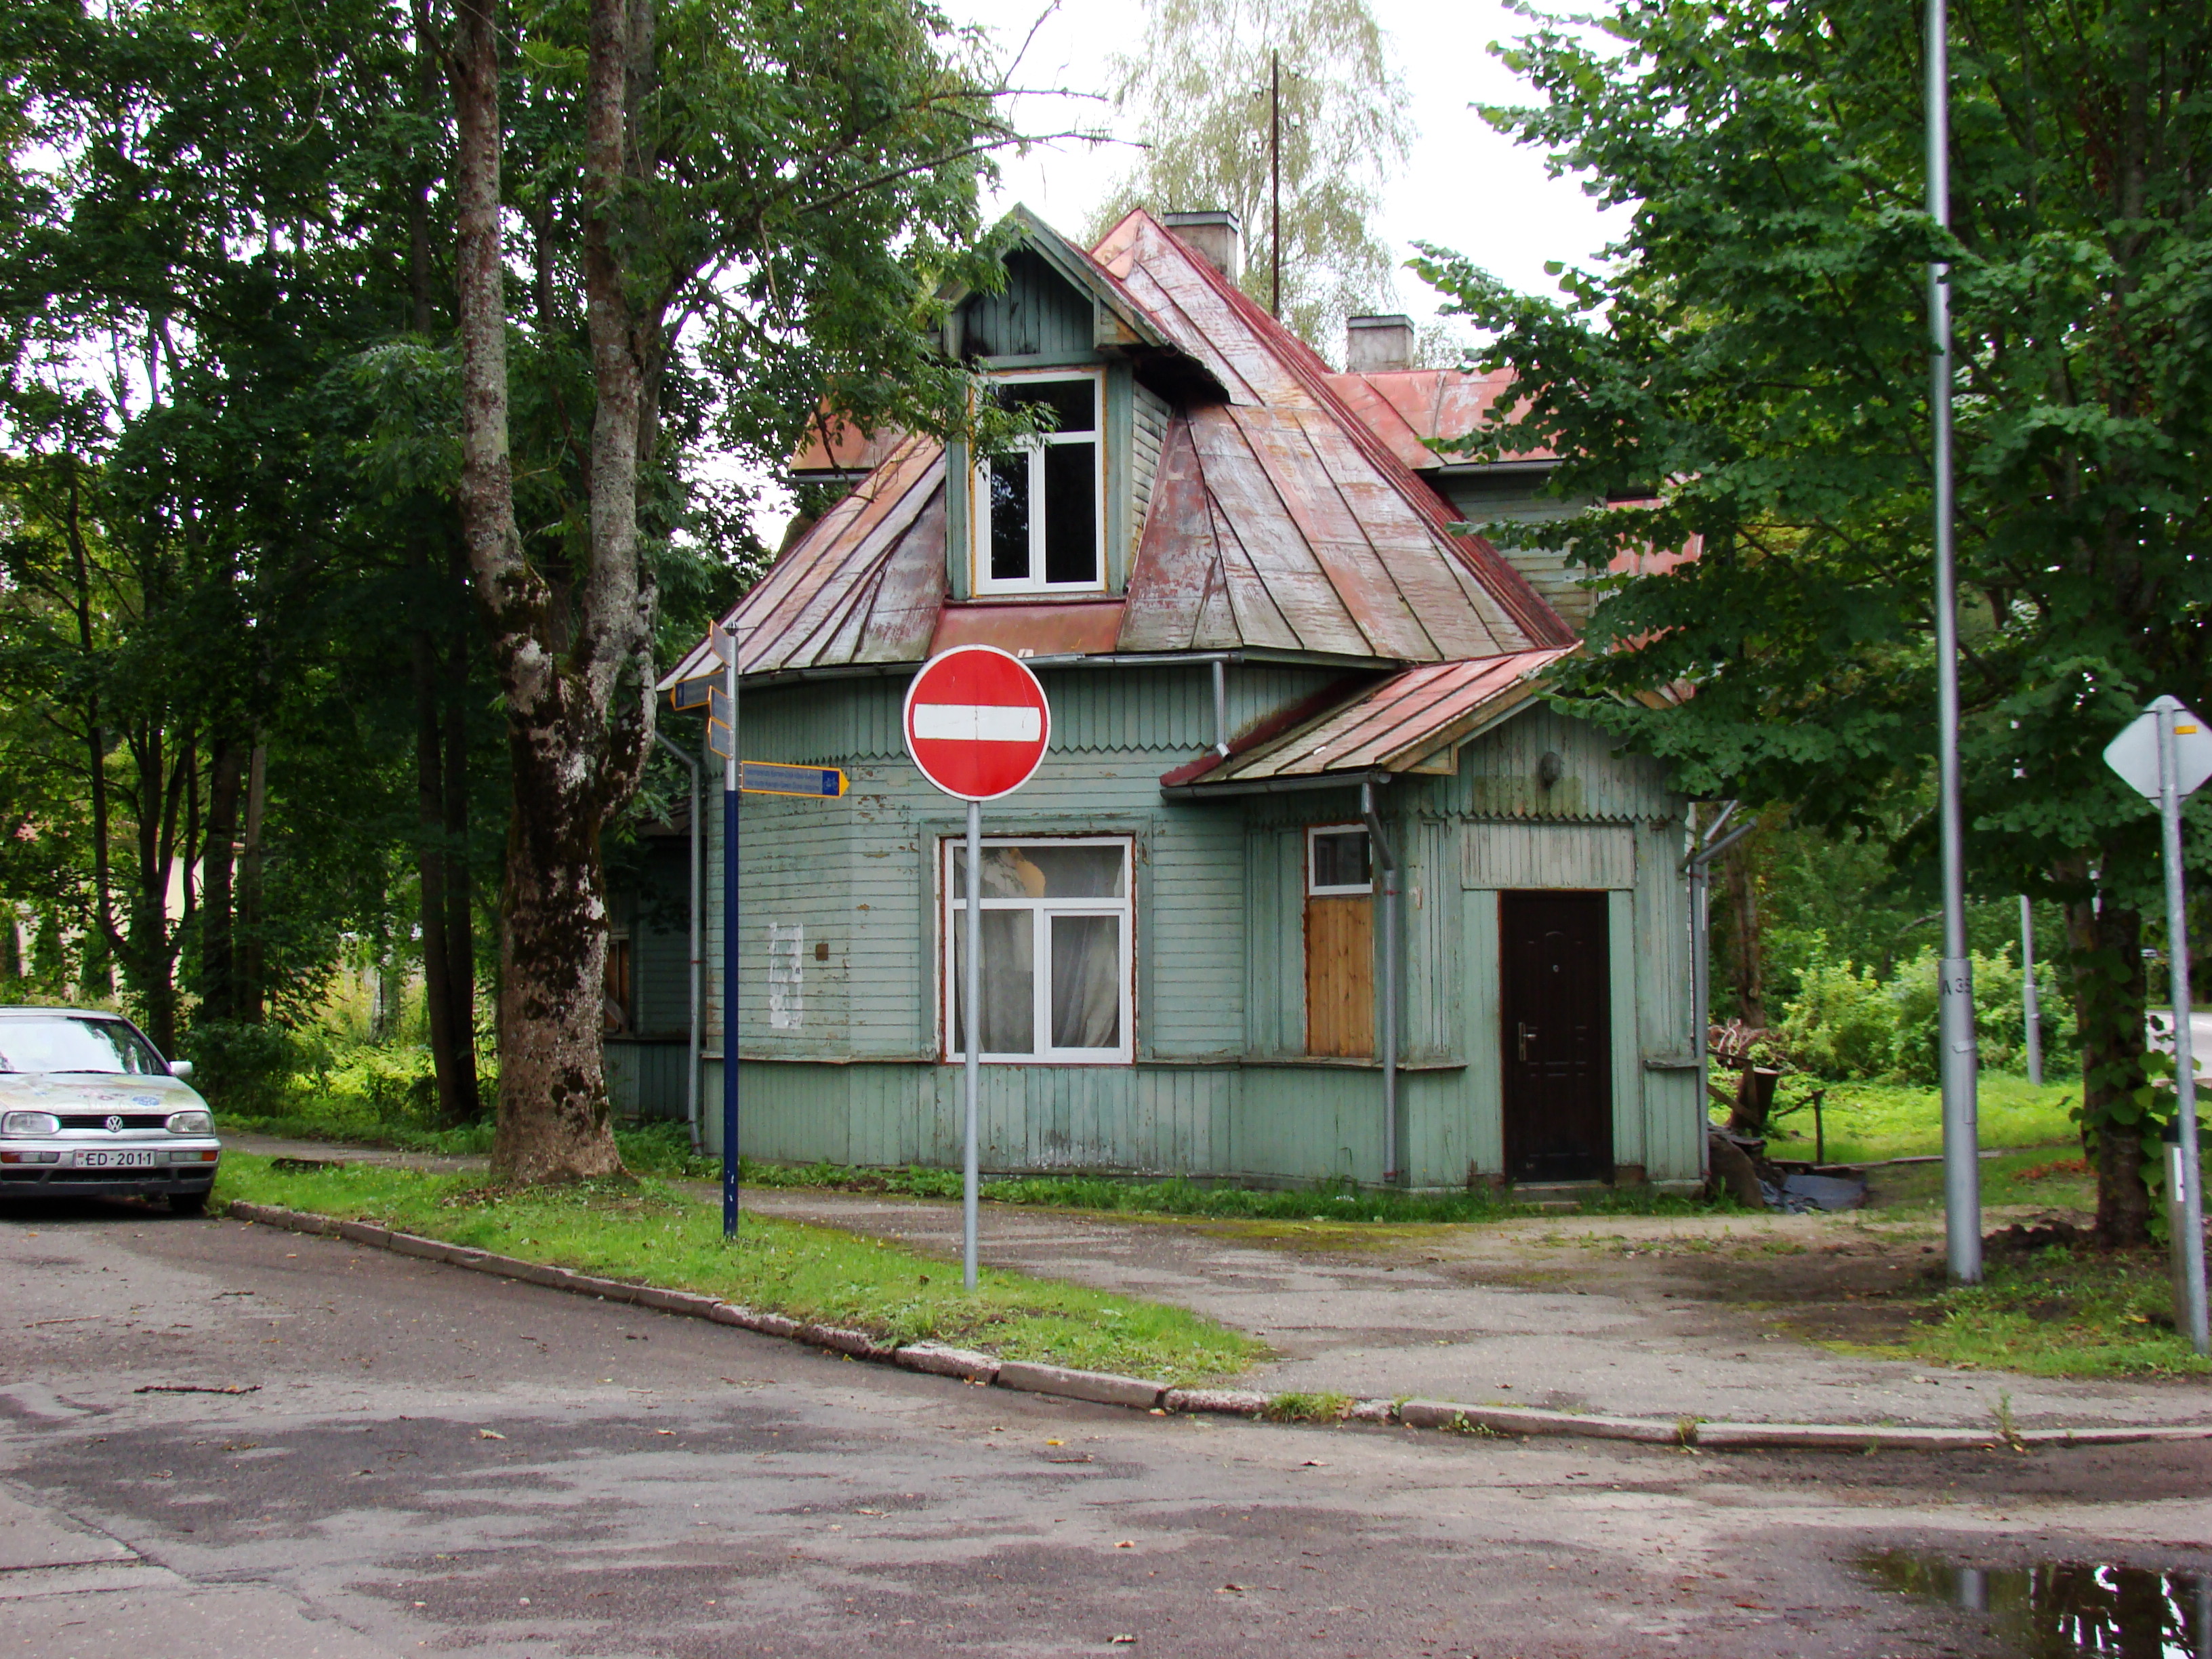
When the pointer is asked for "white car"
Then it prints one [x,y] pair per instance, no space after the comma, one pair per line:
[87,1107]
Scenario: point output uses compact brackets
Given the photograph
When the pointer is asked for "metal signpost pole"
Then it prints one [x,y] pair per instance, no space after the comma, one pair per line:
[977,723]
[2189,1245]
[691,1053]
[2031,1004]
[1962,1170]
[732,941]
[971,996]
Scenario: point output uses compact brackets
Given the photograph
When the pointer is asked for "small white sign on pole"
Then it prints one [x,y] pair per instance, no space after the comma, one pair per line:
[2134,753]
[2165,753]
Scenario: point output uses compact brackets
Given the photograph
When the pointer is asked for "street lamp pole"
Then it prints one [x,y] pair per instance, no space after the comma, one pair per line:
[1962,1173]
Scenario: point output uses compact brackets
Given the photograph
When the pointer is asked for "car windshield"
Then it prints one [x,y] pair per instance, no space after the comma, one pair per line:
[65,1042]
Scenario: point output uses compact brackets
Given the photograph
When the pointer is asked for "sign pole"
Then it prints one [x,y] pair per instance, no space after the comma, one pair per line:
[977,723]
[732,943]
[1962,1169]
[971,994]
[2187,1174]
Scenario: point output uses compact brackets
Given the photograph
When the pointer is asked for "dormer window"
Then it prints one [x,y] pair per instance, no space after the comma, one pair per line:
[1039,513]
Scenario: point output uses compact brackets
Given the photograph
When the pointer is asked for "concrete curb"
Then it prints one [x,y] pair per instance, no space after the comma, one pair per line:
[1132,1393]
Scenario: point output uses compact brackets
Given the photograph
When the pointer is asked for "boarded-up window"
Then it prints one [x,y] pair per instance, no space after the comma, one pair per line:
[615,1002]
[1339,942]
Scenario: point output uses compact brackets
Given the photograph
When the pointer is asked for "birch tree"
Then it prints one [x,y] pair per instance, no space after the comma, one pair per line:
[1200,87]
[788,183]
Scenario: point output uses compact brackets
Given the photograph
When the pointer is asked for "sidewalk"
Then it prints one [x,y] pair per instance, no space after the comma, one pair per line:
[1614,1314]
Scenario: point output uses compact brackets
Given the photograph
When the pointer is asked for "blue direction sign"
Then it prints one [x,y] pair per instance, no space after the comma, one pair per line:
[771,778]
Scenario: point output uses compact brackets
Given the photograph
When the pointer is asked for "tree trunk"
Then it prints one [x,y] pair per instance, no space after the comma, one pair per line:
[1747,942]
[218,965]
[467,1102]
[430,865]
[2108,1003]
[250,950]
[553,1119]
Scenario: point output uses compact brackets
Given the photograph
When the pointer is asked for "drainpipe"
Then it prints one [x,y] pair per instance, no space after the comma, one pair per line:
[691,1071]
[1221,706]
[1386,858]
[1698,867]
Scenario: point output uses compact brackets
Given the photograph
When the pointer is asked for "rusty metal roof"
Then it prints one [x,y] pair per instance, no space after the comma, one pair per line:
[1407,722]
[1279,520]
[1408,407]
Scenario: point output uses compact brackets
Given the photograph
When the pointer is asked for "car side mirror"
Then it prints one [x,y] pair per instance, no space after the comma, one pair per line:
[181,1070]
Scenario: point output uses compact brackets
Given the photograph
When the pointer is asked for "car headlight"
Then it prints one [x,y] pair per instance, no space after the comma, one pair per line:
[30,1123]
[191,1123]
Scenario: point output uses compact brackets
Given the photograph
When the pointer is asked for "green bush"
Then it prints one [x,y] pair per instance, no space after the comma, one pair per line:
[250,1070]
[1845,1023]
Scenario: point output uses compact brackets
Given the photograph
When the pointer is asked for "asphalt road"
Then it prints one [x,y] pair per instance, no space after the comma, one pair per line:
[427,1460]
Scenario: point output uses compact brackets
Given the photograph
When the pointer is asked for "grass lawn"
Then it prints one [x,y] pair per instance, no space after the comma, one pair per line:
[1326,1203]
[649,1233]
[1869,1121]
[2057,1312]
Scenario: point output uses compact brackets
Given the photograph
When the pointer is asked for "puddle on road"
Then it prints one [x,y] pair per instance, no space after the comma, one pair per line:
[2064,1609]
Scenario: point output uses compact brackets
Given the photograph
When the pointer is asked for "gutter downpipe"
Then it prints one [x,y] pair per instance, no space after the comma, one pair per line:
[1698,867]
[1221,706]
[698,963]
[1387,857]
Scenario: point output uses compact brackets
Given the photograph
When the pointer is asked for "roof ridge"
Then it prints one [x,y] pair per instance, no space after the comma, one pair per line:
[1535,615]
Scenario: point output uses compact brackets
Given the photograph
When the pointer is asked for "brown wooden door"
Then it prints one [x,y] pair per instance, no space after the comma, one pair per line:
[1341,976]
[1554,966]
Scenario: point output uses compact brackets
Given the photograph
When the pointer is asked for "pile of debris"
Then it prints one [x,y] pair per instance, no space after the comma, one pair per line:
[1739,1165]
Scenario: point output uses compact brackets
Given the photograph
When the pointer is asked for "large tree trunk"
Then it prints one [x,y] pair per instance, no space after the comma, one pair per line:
[460,927]
[249,948]
[218,964]
[430,863]
[1746,964]
[553,1119]
[2108,1003]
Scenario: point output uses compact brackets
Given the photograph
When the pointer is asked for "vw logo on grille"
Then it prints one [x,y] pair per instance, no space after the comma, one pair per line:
[114,1123]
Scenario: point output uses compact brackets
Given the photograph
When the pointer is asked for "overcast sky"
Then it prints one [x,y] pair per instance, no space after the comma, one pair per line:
[1466,188]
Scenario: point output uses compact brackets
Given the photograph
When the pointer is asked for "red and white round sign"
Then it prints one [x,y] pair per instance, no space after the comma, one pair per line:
[976,722]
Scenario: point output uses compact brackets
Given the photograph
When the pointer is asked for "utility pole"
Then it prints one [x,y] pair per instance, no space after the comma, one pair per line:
[1962,1169]
[1275,181]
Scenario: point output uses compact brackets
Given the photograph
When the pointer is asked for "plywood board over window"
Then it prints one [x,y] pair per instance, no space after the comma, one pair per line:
[1339,942]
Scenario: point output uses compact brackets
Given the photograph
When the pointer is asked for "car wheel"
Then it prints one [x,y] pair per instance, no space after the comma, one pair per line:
[187,1203]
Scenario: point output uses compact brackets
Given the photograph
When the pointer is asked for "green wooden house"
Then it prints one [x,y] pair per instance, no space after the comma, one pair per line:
[1311,883]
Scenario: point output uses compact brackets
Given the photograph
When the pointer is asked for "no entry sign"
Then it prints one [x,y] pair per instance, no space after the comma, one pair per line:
[976,722]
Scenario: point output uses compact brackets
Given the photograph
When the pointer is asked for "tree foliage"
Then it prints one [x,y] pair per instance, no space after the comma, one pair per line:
[1199,85]
[1755,359]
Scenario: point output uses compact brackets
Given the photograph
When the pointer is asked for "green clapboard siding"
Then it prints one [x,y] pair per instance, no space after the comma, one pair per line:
[843,1055]
[1036,315]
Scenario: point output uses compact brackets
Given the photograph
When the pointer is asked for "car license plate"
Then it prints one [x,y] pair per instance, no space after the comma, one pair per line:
[103,1160]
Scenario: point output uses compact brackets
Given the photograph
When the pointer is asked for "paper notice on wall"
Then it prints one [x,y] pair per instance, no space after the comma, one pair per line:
[787,985]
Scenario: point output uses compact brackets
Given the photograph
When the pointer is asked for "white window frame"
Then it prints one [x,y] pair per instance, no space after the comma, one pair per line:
[1314,888]
[979,495]
[953,913]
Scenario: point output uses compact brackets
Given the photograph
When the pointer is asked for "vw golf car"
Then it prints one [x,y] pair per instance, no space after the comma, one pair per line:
[87,1106]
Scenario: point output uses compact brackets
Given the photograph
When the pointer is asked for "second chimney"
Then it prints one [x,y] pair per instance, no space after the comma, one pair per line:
[1374,345]
[1216,235]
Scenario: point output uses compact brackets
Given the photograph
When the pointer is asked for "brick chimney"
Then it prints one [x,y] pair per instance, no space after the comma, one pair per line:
[1216,235]
[1376,344]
